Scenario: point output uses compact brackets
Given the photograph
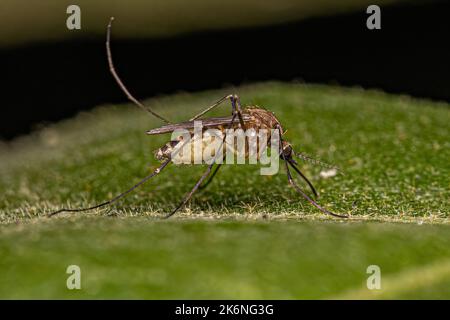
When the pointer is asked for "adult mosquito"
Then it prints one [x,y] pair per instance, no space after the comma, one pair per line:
[248,117]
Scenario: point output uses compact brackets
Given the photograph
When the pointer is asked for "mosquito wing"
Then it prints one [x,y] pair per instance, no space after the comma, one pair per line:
[206,124]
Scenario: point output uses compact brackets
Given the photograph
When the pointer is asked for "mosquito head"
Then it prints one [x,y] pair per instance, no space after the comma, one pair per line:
[287,150]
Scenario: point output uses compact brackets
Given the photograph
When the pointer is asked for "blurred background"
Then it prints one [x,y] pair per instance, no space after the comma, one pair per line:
[165,46]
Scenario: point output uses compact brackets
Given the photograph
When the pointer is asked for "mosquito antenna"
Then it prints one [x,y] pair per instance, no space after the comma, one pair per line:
[119,81]
[314,161]
[158,170]
[304,177]
[297,188]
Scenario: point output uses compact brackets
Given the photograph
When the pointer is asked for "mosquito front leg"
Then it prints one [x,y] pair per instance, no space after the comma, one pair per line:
[297,188]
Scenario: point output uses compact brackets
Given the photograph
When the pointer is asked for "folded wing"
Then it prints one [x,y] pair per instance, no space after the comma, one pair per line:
[206,123]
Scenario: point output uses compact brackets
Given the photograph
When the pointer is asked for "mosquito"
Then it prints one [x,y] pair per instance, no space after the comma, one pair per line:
[247,117]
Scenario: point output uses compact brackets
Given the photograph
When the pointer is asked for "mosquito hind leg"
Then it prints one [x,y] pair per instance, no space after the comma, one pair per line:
[122,86]
[123,194]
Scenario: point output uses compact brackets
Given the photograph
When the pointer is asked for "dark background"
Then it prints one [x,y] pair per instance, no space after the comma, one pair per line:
[409,55]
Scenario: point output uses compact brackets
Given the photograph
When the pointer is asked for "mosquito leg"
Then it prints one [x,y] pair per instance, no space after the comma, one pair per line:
[154,173]
[203,177]
[218,102]
[203,186]
[213,174]
[236,102]
[304,178]
[236,111]
[119,81]
[297,188]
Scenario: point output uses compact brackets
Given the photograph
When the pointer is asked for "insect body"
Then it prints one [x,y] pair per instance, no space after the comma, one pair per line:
[252,119]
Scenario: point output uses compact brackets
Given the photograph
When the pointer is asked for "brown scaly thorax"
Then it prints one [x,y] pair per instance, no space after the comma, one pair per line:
[261,119]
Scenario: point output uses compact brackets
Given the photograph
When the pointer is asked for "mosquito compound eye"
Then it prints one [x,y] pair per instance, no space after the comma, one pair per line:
[287,150]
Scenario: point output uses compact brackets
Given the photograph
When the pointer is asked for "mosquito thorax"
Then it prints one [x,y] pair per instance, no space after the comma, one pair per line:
[261,118]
